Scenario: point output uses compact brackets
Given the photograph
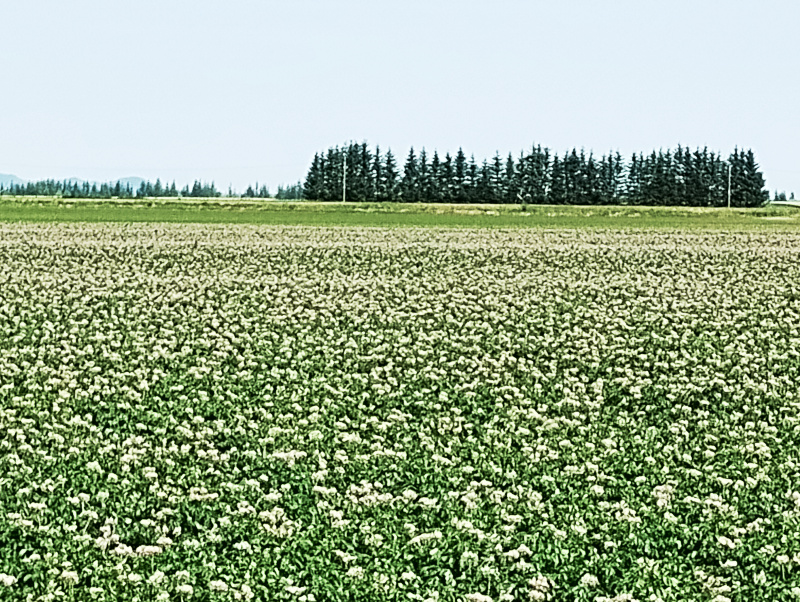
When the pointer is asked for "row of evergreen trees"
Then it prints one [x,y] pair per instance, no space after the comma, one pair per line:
[290,192]
[681,177]
[71,189]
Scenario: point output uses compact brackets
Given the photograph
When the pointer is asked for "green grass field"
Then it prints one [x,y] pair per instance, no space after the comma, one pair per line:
[302,213]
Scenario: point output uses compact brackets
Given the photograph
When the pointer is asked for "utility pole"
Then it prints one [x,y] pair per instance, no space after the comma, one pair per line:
[729,185]
[344,177]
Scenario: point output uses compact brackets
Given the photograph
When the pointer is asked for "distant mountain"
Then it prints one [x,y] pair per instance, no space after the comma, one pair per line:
[134,182]
[8,179]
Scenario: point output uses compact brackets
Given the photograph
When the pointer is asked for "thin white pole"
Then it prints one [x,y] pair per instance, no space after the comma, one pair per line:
[344,179]
[729,185]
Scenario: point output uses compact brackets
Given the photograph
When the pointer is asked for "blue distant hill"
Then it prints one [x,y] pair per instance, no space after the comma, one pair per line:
[8,179]
[134,182]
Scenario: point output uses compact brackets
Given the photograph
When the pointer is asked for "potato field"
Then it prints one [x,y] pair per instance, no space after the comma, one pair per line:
[233,412]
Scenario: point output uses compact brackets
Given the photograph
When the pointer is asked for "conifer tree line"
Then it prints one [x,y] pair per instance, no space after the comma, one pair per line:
[674,177]
[290,192]
[71,189]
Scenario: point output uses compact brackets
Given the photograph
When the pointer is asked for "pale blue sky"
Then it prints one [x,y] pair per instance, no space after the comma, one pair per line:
[247,90]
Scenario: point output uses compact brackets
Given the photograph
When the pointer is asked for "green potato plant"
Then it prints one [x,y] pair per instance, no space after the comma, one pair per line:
[230,412]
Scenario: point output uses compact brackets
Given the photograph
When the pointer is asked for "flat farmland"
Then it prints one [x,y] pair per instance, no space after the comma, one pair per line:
[237,412]
[417,215]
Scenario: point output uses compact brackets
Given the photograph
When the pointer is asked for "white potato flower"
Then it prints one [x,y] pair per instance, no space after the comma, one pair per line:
[477,597]
[156,578]
[355,572]
[218,586]
[185,589]
[70,577]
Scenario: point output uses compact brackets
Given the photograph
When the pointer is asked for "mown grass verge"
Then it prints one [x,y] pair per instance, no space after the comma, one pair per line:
[241,211]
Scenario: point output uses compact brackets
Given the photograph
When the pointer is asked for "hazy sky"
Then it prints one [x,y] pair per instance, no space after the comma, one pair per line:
[248,90]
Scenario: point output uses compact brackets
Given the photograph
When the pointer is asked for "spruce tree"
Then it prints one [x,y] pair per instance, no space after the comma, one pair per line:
[650,179]
[472,181]
[663,183]
[435,181]
[609,173]
[524,168]
[497,180]
[540,174]
[571,164]
[424,178]
[483,186]
[697,175]
[756,192]
[389,182]
[314,184]
[333,175]
[735,166]
[633,188]
[366,182]
[558,192]
[510,181]
[459,184]
[592,186]
[377,174]
[747,182]
[718,188]
[447,179]
[410,184]
[354,180]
